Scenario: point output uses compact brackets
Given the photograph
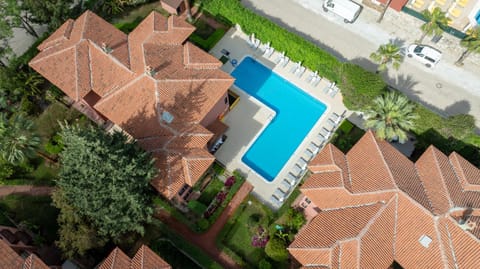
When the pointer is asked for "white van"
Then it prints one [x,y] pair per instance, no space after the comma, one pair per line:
[346,9]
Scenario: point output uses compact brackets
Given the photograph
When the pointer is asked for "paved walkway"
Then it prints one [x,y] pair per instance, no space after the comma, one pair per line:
[446,89]
[206,241]
[25,189]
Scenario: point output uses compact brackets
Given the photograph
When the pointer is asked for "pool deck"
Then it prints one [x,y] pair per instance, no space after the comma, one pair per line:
[249,117]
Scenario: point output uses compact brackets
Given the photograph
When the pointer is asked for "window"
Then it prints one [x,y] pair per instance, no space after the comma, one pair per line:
[425,241]
[226,99]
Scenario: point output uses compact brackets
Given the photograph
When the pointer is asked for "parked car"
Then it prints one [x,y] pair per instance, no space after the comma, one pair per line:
[346,9]
[427,55]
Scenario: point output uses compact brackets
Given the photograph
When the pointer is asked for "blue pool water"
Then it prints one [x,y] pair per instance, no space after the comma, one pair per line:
[477,17]
[297,112]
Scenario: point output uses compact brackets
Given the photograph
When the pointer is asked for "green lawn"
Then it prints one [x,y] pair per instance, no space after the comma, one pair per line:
[239,235]
[235,237]
[35,212]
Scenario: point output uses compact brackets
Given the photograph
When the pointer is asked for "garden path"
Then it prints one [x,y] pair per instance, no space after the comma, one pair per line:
[25,189]
[206,241]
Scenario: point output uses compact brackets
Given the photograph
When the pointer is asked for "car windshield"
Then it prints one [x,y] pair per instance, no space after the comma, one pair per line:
[418,49]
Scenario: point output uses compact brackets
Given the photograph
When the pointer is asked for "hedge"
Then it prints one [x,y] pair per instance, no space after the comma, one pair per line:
[359,87]
[296,47]
[209,43]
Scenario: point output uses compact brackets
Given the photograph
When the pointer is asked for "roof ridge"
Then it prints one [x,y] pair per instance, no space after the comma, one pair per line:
[395,223]
[375,217]
[440,241]
[423,186]
[442,178]
[377,146]
[124,88]
[452,249]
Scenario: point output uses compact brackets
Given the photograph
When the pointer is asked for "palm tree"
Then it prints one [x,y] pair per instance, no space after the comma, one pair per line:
[387,54]
[18,138]
[435,20]
[471,43]
[391,116]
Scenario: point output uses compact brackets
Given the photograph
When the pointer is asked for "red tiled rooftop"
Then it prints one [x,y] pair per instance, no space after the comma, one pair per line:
[418,224]
[145,258]
[132,79]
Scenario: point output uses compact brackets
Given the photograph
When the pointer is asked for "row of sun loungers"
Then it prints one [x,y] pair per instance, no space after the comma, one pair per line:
[314,78]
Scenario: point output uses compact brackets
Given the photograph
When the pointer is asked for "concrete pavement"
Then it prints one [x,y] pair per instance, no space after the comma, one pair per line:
[446,89]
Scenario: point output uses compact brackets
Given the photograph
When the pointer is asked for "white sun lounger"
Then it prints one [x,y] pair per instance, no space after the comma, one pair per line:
[333,91]
[325,133]
[290,180]
[316,81]
[300,71]
[275,201]
[311,77]
[280,58]
[279,194]
[285,186]
[268,52]
[295,67]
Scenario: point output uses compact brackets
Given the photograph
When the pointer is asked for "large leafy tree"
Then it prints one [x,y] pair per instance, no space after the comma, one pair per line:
[387,54]
[391,116]
[103,188]
[18,138]
[435,20]
[51,12]
[471,43]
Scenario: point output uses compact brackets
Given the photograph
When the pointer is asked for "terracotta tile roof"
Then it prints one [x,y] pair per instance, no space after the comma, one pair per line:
[415,220]
[9,259]
[430,169]
[133,80]
[367,151]
[116,260]
[145,258]
[33,262]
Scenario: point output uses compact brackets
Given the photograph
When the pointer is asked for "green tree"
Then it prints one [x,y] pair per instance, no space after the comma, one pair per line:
[471,43]
[276,249]
[76,235]
[391,116]
[5,34]
[18,138]
[15,16]
[50,12]
[435,20]
[105,179]
[387,54]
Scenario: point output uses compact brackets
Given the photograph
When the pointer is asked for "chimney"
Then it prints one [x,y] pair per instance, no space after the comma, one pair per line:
[150,71]
[468,226]
[106,49]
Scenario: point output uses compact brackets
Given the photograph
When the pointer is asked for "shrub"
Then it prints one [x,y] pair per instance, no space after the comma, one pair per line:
[209,43]
[229,182]
[359,87]
[276,249]
[197,207]
[264,264]
[54,145]
[203,224]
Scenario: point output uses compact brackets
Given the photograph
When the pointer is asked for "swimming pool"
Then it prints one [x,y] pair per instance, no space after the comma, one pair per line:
[296,113]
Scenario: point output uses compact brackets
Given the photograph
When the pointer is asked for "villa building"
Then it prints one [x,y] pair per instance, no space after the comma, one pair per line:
[145,258]
[9,259]
[154,85]
[376,207]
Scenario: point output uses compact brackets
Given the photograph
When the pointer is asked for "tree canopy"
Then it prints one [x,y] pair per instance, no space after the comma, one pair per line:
[391,116]
[103,187]
[387,54]
[435,20]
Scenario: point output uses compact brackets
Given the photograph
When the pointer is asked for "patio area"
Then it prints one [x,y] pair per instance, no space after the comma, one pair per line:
[249,117]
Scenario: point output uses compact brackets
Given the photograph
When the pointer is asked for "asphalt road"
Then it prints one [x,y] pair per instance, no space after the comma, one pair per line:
[446,89]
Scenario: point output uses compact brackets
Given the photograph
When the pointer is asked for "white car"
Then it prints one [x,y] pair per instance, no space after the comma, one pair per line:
[424,54]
